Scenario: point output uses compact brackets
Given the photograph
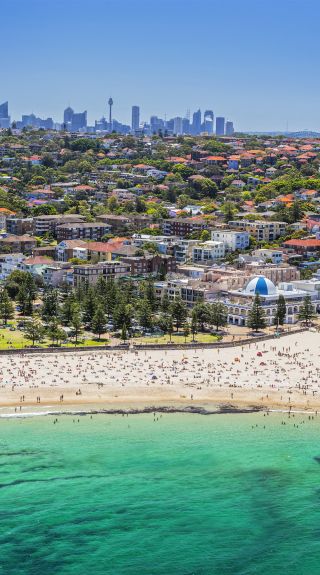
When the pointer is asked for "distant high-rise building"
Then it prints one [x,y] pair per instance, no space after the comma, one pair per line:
[110,104]
[220,126]
[135,118]
[156,125]
[208,121]
[79,121]
[229,128]
[177,126]
[4,115]
[67,117]
[196,122]
[186,126]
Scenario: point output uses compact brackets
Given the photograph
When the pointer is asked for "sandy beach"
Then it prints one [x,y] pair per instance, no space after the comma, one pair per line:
[276,374]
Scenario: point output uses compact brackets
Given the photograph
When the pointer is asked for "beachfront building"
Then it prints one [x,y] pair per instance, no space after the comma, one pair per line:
[239,302]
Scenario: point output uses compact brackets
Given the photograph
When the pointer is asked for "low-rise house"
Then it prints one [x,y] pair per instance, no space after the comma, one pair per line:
[36,265]
[68,249]
[308,245]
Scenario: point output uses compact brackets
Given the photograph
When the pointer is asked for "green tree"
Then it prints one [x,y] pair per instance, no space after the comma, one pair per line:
[256,316]
[55,332]
[6,307]
[76,321]
[202,314]
[50,306]
[67,309]
[194,326]
[307,310]
[218,315]
[170,328]
[281,311]
[99,321]
[186,331]
[144,313]
[89,305]
[124,333]
[179,312]
[205,236]
[34,330]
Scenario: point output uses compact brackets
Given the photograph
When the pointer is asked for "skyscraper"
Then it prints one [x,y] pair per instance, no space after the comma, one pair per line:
[4,115]
[79,121]
[229,128]
[110,104]
[208,121]
[196,122]
[177,126]
[220,126]
[135,118]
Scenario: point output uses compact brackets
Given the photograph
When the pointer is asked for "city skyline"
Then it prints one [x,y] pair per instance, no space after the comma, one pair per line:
[164,59]
[200,122]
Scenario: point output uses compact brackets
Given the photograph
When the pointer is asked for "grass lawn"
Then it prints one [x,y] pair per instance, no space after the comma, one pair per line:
[178,338]
[16,340]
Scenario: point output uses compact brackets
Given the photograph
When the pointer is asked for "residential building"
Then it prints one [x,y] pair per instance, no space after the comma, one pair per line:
[10,263]
[19,226]
[208,252]
[260,230]
[150,264]
[84,231]
[268,255]
[182,227]
[233,241]
[89,273]
[23,243]
[68,249]
[48,224]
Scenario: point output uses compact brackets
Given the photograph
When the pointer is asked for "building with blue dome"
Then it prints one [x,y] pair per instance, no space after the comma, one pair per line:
[239,302]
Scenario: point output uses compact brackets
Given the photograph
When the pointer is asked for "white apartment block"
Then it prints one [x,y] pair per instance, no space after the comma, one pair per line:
[233,241]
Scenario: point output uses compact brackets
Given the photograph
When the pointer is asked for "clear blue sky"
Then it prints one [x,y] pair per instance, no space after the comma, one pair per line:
[253,61]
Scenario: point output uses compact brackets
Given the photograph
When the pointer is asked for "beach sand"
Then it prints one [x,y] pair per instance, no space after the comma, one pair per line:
[279,374]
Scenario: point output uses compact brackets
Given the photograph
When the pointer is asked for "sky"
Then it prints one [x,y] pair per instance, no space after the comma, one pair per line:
[256,62]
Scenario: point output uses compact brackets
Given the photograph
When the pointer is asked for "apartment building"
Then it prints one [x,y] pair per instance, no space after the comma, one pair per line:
[261,231]
[208,252]
[182,227]
[48,224]
[84,231]
[233,241]
[89,274]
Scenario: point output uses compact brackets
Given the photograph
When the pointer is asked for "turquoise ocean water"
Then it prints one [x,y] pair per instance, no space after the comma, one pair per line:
[186,494]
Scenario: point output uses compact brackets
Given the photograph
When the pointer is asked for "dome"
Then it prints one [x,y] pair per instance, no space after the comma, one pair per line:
[260,285]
